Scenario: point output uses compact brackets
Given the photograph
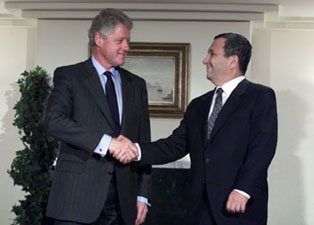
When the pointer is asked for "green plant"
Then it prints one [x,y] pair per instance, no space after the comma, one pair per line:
[30,168]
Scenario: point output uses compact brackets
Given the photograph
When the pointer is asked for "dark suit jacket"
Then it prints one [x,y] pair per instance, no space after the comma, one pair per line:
[78,115]
[237,155]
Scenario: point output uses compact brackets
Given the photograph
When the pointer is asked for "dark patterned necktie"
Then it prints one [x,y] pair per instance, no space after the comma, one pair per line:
[215,112]
[112,101]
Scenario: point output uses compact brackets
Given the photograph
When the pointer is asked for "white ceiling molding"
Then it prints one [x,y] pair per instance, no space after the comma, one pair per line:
[143,11]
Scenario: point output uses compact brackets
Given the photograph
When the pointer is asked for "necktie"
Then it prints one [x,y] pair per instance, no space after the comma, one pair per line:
[215,112]
[112,101]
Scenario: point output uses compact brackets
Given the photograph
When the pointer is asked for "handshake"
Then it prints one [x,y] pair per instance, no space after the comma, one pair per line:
[123,149]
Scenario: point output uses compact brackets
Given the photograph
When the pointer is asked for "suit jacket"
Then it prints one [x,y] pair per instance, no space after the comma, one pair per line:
[237,155]
[78,115]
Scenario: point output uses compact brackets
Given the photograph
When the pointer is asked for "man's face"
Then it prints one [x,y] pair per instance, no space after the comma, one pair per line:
[216,63]
[114,47]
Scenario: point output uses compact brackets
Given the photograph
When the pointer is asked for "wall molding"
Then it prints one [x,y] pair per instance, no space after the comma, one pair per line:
[142,11]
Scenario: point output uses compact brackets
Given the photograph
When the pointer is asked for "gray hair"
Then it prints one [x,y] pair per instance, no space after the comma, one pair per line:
[105,23]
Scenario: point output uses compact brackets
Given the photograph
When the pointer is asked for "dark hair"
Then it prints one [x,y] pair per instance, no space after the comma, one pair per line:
[105,23]
[237,44]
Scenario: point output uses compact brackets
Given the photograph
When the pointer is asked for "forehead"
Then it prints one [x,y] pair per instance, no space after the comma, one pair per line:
[218,45]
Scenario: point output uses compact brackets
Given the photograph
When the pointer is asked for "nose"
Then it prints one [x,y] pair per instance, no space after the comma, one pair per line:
[126,46]
[206,60]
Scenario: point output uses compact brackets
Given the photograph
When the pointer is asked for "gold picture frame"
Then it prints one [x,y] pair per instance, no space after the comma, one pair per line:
[165,67]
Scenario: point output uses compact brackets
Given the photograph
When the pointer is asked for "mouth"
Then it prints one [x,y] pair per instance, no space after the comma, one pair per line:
[122,54]
[209,66]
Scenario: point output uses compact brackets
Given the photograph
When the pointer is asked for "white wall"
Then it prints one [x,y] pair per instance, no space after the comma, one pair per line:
[286,57]
[13,58]
[291,175]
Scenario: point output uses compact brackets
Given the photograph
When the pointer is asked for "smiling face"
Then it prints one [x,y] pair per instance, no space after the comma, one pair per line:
[216,63]
[110,51]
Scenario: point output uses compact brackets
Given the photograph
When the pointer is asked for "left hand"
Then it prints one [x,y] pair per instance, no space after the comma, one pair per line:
[142,210]
[236,202]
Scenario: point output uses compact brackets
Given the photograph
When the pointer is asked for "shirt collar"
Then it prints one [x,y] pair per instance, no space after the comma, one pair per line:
[100,69]
[231,85]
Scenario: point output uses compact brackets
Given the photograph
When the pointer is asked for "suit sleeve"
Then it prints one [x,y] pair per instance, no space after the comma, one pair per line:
[168,149]
[261,146]
[145,180]
[58,120]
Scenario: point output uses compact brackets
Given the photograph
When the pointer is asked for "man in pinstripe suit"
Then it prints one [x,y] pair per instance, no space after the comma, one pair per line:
[89,186]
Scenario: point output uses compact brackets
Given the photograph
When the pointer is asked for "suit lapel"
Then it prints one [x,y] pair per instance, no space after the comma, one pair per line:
[94,86]
[203,115]
[230,105]
[127,98]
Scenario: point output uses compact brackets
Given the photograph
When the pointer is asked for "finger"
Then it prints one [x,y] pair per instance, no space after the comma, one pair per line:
[243,208]
[127,157]
[228,205]
[111,151]
[238,207]
[115,152]
[141,212]
[138,216]
[129,151]
[137,221]
[133,150]
[119,155]
[124,159]
[121,137]
[132,155]
[232,207]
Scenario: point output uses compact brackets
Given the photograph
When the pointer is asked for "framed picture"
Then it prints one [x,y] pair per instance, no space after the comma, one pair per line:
[165,67]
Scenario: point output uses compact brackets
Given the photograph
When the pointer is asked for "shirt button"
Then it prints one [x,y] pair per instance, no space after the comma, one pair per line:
[100,150]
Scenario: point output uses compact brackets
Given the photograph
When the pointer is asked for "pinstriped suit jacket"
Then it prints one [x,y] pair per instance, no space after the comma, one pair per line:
[78,115]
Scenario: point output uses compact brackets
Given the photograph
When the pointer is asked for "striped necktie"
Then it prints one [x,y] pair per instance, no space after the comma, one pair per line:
[213,116]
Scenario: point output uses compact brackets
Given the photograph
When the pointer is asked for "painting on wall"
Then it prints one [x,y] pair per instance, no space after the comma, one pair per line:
[165,67]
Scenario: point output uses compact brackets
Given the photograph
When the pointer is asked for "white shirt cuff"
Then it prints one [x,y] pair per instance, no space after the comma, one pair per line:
[243,193]
[139,152]
[102,147]
[143,199]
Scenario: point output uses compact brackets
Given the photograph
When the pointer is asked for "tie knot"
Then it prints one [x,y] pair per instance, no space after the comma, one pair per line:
[219,91]
[108,74]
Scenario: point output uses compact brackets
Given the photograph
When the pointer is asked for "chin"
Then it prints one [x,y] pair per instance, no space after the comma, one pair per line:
[121,62]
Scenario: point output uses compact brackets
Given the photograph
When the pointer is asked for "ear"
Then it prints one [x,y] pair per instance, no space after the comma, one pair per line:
[233,61]
[98,39]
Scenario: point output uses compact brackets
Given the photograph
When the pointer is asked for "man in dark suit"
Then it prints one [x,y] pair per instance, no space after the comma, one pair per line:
[231,135]
[91,104]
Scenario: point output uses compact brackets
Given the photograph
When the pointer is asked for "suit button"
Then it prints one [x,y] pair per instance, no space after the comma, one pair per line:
[207,160]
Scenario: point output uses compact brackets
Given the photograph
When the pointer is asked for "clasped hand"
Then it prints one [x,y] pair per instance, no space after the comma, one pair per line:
[123,149]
